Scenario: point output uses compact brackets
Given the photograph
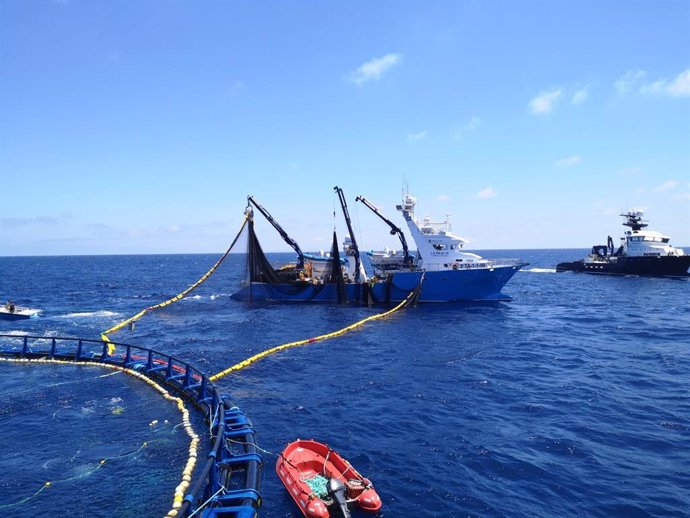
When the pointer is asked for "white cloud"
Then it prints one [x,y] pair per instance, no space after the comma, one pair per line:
[569,161]
[666,186]
[416,137]
[657,87]
[679,87]
[685,196]
[443,197]
[487,193]
[37,220]
[580,95]
[473,124]
[373,70]
[545,101]
[629,81]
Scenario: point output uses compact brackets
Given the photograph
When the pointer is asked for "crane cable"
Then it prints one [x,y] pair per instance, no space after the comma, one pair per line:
[410,299]
[104,335]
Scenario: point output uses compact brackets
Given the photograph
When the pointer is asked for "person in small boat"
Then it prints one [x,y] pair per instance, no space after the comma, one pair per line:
[10,306]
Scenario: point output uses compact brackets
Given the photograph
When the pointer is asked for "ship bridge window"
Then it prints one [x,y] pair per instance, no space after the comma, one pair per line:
[664,240]
[438,246]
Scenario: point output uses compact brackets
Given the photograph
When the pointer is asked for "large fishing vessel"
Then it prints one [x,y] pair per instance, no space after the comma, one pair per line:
[440,269]
[641,252]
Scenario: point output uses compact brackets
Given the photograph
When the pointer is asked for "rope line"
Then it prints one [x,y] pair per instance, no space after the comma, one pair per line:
[208,501]
[411,297]
[194,438]
[180,296]
[235,441]
[51,483]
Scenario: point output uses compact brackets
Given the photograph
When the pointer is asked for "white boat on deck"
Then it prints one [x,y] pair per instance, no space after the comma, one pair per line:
[386,260]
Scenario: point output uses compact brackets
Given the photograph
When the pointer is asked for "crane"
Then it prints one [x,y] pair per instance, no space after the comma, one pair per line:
[283,234]
[355,249]
[407,258]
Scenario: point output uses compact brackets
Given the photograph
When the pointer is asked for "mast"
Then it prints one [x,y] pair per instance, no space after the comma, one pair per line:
[343,204]
[407,259]
[283,234]
[633,219]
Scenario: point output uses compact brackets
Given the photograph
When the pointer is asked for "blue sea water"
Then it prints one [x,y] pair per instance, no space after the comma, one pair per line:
[573,399]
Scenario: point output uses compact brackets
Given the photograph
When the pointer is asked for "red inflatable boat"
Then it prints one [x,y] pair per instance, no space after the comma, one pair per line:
[321,482]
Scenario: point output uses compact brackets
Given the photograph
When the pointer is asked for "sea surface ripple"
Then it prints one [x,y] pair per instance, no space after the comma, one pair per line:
[573,399]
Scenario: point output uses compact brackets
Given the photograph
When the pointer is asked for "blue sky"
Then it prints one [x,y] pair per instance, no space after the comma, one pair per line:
[141,126]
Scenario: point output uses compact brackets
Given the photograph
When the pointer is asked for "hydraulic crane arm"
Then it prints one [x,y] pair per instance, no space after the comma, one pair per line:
[394,228]
[343,204]
[283,234]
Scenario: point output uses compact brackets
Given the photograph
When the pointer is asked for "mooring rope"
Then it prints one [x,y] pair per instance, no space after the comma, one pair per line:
[180,296]
[411,297]
[194,438]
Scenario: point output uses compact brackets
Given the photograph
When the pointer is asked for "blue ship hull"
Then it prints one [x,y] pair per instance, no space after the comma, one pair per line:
[483,284]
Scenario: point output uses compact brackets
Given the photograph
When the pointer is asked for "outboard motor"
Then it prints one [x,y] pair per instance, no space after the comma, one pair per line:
[336,488]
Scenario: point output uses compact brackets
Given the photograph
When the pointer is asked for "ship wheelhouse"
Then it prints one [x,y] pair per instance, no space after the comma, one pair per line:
[647,243]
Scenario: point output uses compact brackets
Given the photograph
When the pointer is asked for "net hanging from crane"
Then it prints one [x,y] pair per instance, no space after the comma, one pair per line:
[290,279]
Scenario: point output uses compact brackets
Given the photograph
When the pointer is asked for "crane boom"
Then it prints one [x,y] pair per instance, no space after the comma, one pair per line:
[355,249]
[283,234]
[407,258]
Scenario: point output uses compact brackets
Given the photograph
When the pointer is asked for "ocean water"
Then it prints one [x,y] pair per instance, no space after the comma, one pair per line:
[573,399]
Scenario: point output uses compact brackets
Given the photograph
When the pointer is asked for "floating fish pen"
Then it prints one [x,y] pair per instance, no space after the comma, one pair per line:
[228,484]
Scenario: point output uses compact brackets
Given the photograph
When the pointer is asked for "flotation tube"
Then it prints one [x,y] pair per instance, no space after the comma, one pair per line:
[316,477]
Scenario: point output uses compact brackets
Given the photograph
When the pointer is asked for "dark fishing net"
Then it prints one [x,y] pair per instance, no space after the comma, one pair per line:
[290,280]
[259,267]
[335,275]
